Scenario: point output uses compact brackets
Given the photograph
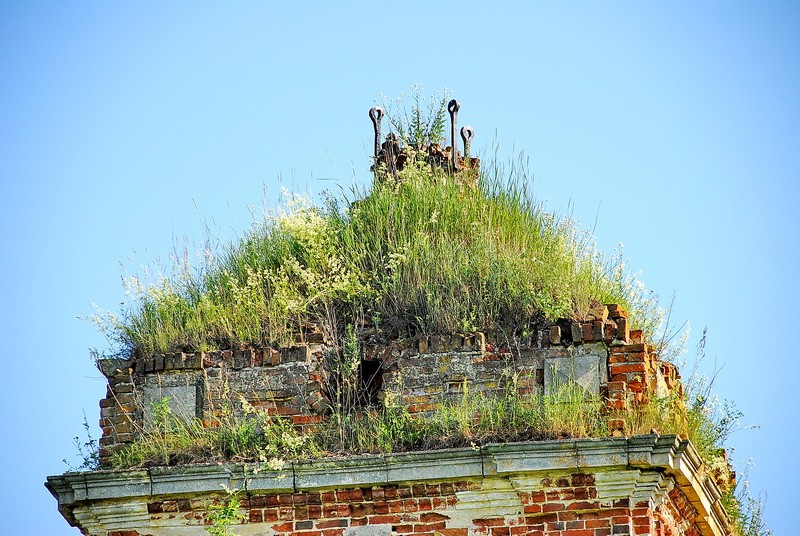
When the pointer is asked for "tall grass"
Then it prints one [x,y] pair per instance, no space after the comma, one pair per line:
[259,437]
[442,257]
[252,434]
[421,255]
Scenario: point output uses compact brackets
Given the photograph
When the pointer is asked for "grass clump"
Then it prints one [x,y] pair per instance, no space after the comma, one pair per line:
[250,434]
[258,437]
[440,257]
[421,255]
[423,123]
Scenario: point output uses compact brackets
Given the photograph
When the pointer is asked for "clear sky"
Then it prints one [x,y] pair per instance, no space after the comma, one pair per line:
[128,127]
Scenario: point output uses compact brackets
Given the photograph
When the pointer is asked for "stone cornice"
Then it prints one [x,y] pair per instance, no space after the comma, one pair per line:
[641,461]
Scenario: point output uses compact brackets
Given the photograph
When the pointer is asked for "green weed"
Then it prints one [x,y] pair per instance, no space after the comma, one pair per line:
[416,122]
[252,434]
[224,514]
[88,450]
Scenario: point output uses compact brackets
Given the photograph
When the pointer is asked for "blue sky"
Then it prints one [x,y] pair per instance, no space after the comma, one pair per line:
[128,128]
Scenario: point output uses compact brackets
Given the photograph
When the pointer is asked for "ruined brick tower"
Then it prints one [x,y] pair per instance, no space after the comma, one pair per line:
[647,484]
[606,486]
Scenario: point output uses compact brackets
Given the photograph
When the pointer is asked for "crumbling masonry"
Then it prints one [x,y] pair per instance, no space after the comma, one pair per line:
[651,484]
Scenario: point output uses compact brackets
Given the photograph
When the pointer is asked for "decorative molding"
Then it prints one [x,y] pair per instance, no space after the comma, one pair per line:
[99,518]
[497,497]
[641,468]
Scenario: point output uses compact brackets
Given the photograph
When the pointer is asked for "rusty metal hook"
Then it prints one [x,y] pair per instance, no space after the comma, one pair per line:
[376,114]
[467,134]
[453,107]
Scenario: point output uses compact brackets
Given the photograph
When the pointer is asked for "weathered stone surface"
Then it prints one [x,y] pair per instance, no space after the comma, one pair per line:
[195,479]
[586,332]
[435,465]
[555,335]
[597,330]
[97,517]
[601,452]
[102,485]
[110,367]
[184,400]
[295,354]
[617,484]
[260,479]
[439,343]
[623,332]
[530,456]
[583,370]
[495,498]
[598,313]
[577,333]
[341,472]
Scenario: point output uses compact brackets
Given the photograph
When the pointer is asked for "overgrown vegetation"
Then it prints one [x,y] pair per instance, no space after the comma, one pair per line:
[270,440]
[423,255]
[224,514]
[415,120]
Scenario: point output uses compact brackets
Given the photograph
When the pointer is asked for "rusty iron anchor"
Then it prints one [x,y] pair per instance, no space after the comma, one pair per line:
[453,107]
[467,134]
[376,114]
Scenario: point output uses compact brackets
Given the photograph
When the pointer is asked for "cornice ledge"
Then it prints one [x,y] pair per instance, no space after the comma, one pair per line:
[667,454]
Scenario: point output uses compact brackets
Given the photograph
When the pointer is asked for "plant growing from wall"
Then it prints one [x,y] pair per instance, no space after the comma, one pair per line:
[224,514]
[88,450]
[418,120]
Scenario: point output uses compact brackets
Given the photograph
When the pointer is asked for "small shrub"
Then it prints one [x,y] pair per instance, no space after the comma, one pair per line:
[224,514]
[423,123]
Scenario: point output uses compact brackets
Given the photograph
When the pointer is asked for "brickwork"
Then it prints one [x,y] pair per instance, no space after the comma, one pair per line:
[566,506]
[117,414]
[418,372]
[285,381]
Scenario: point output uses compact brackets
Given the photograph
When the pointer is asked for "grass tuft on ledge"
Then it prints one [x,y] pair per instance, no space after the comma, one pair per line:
[261,438]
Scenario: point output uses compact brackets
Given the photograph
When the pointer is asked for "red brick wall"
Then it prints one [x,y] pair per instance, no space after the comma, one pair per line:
[562,506]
